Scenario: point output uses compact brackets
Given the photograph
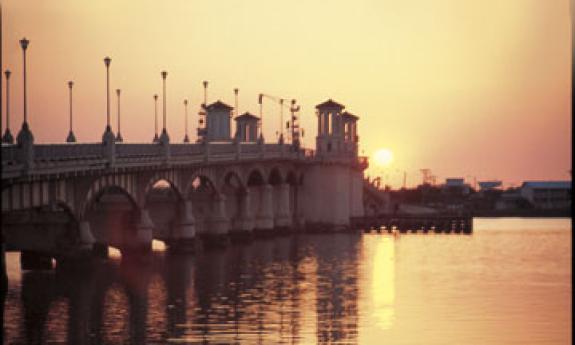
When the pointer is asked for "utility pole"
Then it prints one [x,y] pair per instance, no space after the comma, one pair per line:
[404,179]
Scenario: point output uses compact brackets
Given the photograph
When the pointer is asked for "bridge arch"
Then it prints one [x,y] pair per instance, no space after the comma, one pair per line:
[169,179]
[112,213]
[163,201]
[255,177]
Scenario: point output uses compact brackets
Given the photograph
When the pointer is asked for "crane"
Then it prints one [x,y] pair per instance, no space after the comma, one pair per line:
[293,108]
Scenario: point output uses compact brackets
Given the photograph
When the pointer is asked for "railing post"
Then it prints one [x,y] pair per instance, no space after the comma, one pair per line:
[109,146]
[238,145]
[25,141]
[262,147]
[165,144]
[206,150]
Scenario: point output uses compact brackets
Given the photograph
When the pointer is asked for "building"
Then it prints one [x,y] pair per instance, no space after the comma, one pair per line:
[547,194]
[456,186]
[489,185]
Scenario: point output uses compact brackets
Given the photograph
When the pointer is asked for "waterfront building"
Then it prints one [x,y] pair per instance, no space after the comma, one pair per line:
[547,194]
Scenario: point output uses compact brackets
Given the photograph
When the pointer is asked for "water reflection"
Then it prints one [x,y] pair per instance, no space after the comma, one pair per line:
[284,291]
[312,289]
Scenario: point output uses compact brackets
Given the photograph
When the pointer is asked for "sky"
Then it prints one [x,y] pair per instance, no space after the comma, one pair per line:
[472,89]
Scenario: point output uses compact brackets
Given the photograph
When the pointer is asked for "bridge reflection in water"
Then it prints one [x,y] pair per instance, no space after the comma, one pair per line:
[296,289]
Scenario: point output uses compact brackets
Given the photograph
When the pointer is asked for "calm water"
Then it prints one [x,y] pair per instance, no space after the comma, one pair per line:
[508,283]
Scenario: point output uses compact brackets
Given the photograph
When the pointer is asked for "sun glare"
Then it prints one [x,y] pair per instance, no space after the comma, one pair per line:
[383,157]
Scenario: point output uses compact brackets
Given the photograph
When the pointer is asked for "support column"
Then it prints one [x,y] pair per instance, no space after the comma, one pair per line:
[218,226]
[141,244]
[182,239]
[85,234]
[144,230]
[265,218]
[243,228]
[283,220]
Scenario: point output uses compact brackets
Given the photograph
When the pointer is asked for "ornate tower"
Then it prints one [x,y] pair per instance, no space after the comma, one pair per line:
[330,129]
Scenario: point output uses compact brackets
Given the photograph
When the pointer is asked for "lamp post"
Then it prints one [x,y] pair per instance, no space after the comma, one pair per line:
[108,131]
[24,44]
[118,136]
[164,138]
[186,138]
[7,138]
[156,139]
[71,138]
[236,90]
[25,137]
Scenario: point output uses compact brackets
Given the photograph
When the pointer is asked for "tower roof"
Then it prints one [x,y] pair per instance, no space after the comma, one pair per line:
[348,115]
[218,105]
[246,116]
[329,104]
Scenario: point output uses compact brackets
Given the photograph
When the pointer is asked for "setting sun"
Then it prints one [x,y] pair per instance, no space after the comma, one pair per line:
[383,157]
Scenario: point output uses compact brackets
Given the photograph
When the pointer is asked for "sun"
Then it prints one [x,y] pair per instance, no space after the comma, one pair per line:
[383,157]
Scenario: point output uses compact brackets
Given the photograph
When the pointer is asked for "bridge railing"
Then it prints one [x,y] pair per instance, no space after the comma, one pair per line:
[68,151]
[222,148]
[124,150]
[250,148]
[9,153]
[186,150]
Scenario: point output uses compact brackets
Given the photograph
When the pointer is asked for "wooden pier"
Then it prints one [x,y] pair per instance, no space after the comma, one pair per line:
[442,223]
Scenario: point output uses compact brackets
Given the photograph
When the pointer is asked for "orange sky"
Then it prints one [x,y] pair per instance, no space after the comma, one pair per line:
[465,88]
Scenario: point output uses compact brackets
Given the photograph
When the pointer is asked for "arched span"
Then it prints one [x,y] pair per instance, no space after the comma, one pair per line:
[159,178]
[231,179]
[255,178]
[201,180]
[102,186]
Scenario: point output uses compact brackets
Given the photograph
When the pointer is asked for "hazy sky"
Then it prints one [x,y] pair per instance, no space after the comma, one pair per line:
[465,88]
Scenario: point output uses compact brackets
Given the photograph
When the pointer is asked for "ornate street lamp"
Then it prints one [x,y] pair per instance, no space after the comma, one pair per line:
[237,110]
[119,136]
[71,138]
[107,62]
[25,137]
[186,138]
[164,138]
[24,44]
[156,139]
[7,138]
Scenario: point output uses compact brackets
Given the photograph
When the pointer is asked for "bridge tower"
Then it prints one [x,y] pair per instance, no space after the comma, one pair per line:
[247,127]
[330,134]
[218,124]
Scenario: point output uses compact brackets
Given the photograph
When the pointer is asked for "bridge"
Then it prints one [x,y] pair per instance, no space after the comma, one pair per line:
[74,200]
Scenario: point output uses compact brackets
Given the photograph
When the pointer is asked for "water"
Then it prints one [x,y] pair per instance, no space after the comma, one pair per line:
[508,283]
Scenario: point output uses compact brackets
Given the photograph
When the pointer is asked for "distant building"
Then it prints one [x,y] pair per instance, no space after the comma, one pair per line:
[456,186]
[547,194]
[510,200]
[489,185]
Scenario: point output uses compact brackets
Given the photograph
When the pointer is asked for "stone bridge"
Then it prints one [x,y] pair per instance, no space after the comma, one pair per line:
[63,200]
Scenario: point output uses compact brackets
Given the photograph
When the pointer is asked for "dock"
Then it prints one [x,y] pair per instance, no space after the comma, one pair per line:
[442,223]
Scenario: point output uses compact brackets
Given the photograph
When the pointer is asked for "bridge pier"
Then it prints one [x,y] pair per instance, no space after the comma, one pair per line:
[218,225]
[182,239]
[85,233]
[283,221]
[264,222]
[242,228]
